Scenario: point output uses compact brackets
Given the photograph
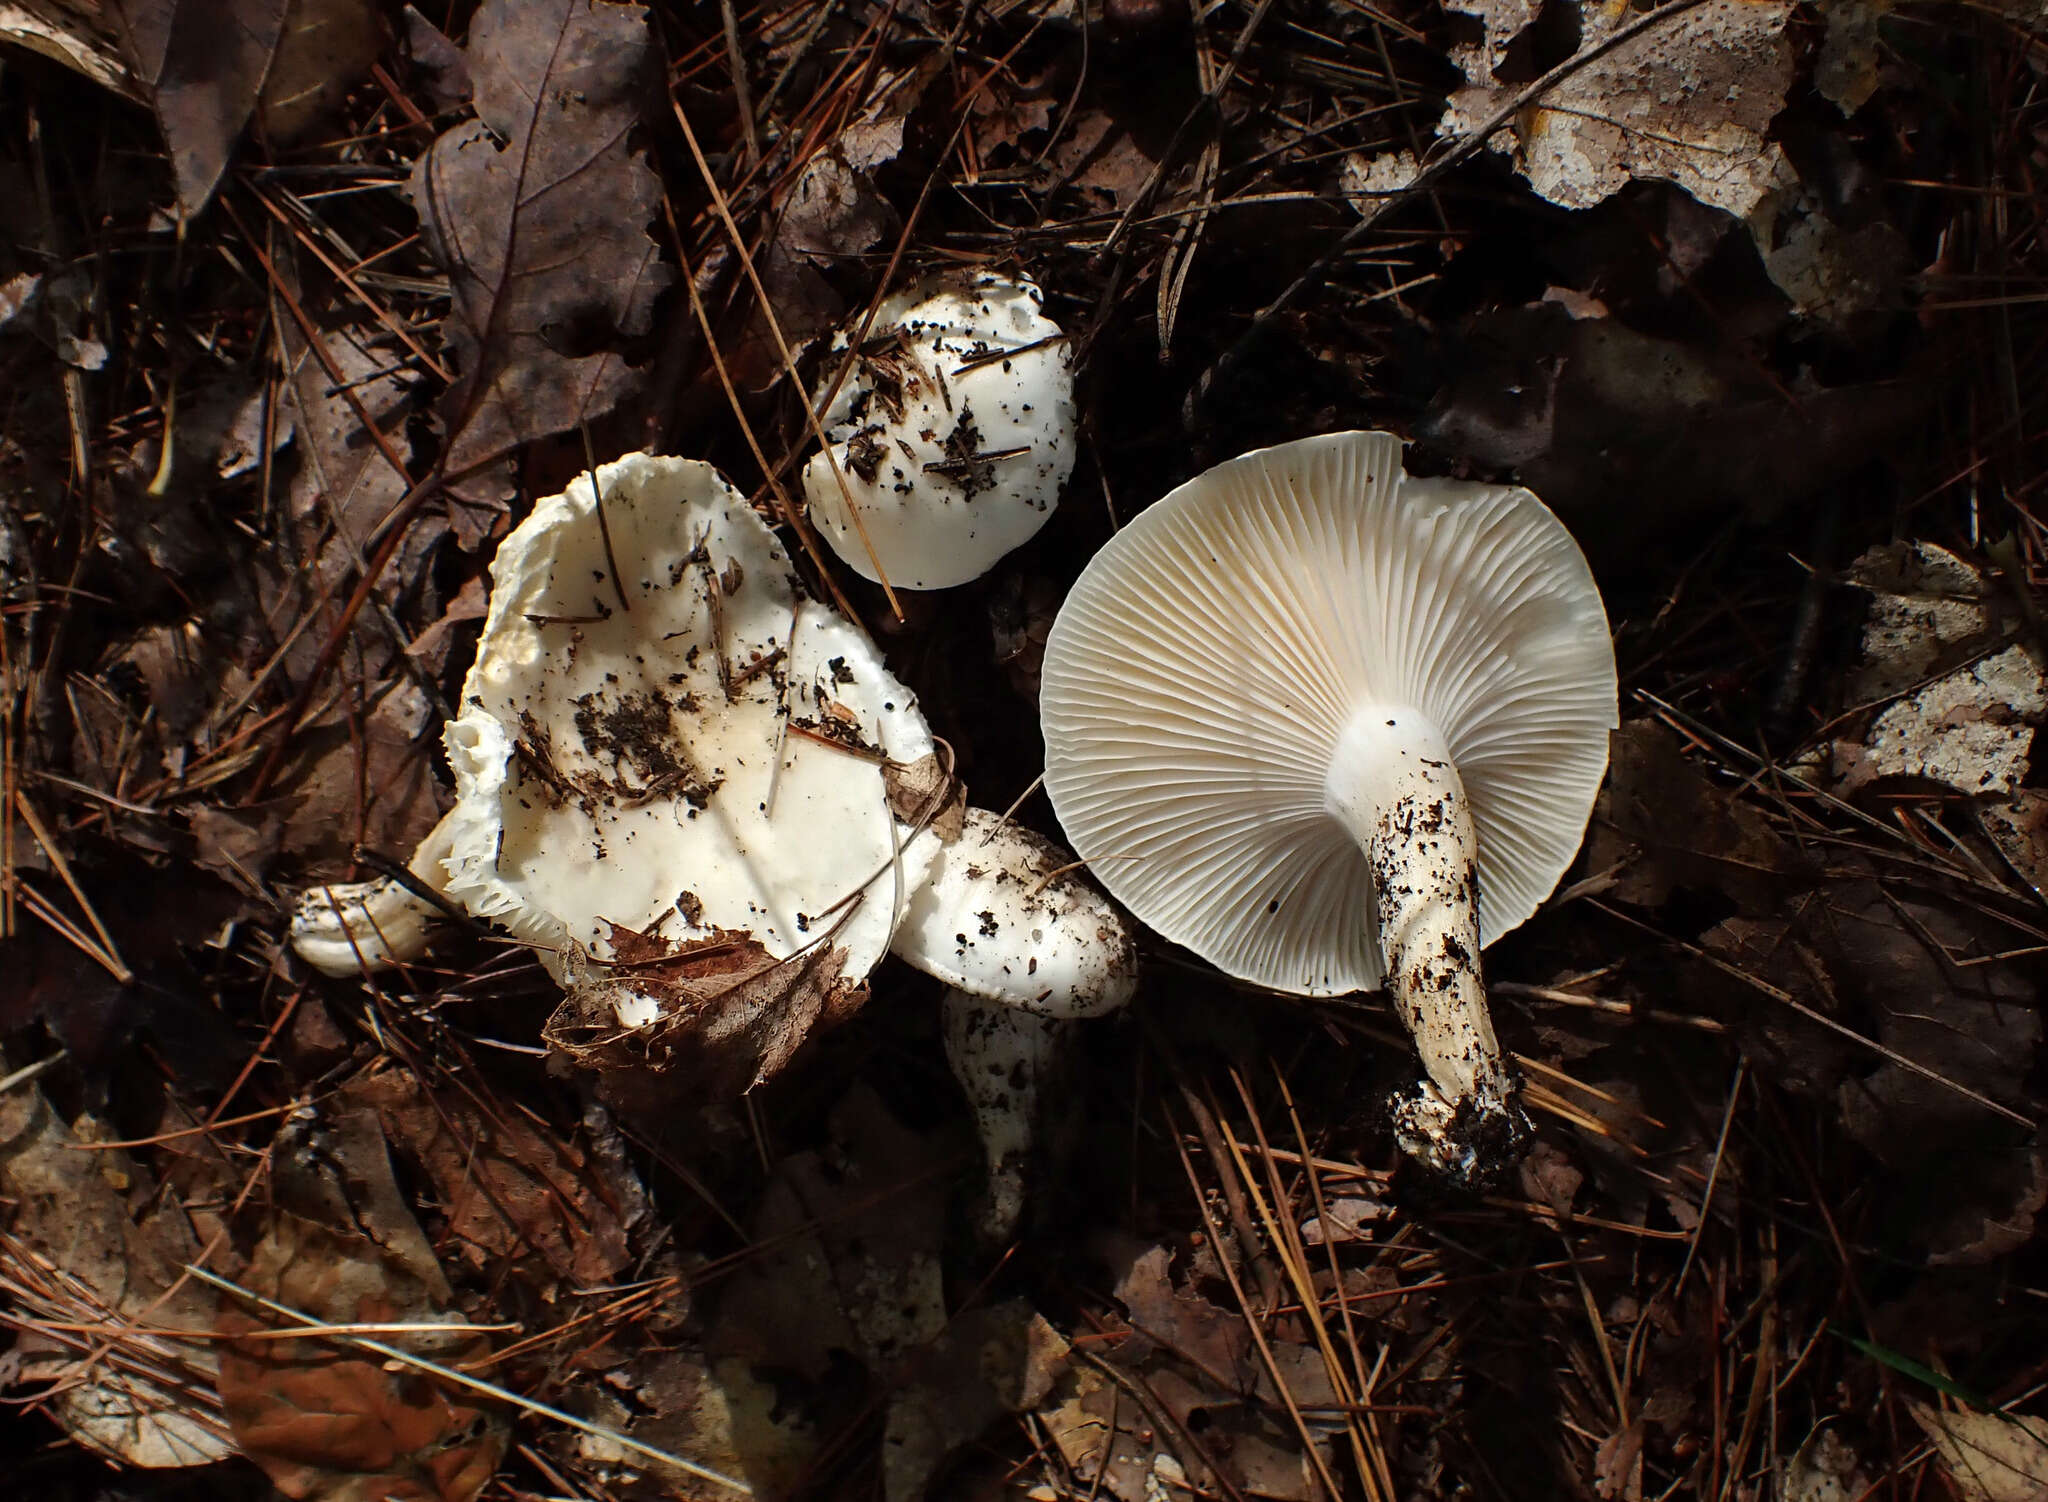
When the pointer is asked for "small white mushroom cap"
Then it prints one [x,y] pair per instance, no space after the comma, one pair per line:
[1002,918]
[1205,668]
[710,764]
[355,927]
[953,433]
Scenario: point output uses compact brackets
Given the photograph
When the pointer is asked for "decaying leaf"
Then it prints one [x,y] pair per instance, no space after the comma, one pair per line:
[202,64]
[538,212]
[1689,101]
[1197,1362]
[346,485]
[1631,434]
[1846,71]
[924,794]
[328,1421]
[845,1274]
[78,1257]
[1830,273]
[1366,180]
[1990,1457]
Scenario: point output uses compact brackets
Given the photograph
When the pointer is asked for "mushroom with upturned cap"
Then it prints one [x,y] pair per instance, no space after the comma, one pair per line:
[952,434]
[1025,948]
[1328,725]
[684,780]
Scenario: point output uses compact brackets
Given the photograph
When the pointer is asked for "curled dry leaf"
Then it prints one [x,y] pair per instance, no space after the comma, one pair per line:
[537,210]
[1688,101]
[725,1013]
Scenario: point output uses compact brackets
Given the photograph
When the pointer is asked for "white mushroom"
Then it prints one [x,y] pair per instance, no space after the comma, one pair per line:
[666,751]
[1325,724]
[1025,947]
[952,433]
[359,927]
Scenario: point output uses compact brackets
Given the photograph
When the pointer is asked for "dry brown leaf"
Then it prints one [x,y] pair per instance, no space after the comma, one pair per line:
[326,48]
[345,486]
[513,1195]
[1662,825]
[74,33]
[538,212]
[1689,101]
[202,63]
[1990,1457]
[328,1421]
[332,1423]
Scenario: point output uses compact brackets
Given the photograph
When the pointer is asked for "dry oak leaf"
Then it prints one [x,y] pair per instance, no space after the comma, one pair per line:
[1688,101]
[537,209]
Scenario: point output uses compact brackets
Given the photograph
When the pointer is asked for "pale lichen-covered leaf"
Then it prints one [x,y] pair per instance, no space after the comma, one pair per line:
[1688,101]
[68,1219]
[1990,1457]
[538,210]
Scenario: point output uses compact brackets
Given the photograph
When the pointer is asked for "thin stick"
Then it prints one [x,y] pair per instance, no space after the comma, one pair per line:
[63,868]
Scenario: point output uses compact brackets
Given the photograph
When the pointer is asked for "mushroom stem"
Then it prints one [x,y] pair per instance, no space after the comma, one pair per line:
[1001,1054]
[1393,786]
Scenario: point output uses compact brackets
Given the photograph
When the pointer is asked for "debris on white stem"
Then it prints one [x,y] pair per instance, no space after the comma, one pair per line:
[1394,788]
[1000,1055]
[1026,946]
[952,433]
[360,927]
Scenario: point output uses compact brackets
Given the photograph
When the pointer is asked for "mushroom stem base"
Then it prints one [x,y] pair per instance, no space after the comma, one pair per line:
[1001,1055]
[1395,789]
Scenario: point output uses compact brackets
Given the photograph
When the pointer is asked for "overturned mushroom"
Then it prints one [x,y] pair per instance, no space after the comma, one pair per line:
[689,785]
[357,927]
[1025,948]
[952,434]
[1325,725]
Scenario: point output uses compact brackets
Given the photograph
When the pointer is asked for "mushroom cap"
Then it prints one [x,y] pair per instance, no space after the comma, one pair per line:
[610,771]
[994,920]
[1203,667]
[913,414]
